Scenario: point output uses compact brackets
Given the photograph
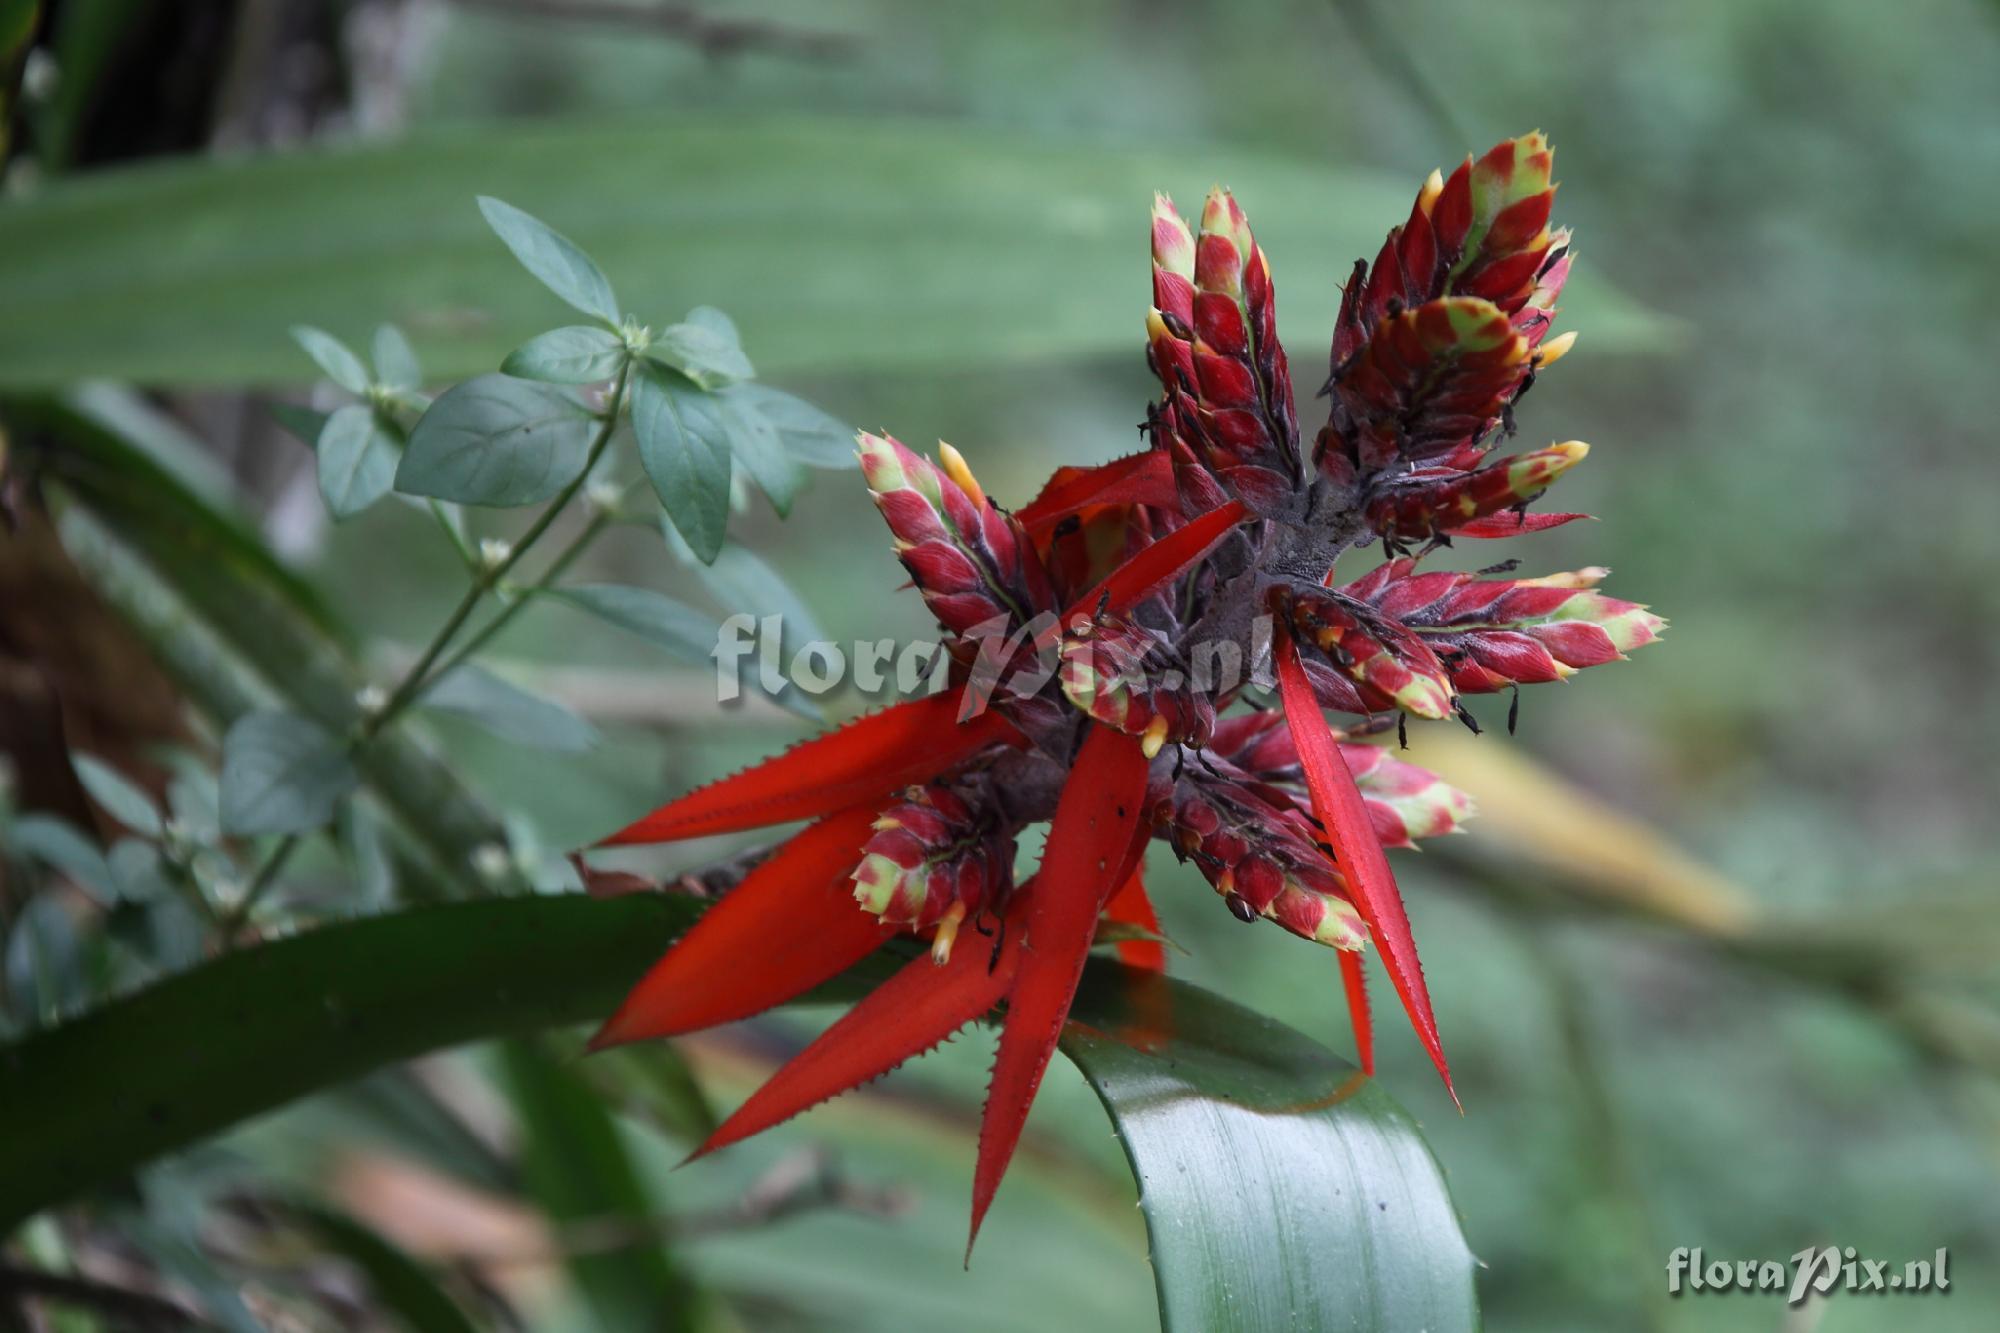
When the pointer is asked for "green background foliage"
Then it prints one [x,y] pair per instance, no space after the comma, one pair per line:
[1784,216]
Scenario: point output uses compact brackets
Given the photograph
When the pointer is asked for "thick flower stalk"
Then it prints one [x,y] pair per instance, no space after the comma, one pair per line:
[1101,640]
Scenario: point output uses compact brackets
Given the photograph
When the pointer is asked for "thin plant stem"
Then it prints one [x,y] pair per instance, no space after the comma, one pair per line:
[487,577]
[564,559]
[260,884]
[427,669]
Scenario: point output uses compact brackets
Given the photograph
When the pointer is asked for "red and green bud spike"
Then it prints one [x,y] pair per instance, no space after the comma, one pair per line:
[1430,381]
[1384,658]
[1263,861]
[1122,675]
[1425,505]
[1287,818]
[1404,802]
[932,862]
[971,561]
[1491,220]
[1482,233]
[1213,341]
[1494,633]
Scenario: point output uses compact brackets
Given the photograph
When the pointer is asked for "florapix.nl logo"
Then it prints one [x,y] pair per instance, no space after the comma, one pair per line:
[1817,1270]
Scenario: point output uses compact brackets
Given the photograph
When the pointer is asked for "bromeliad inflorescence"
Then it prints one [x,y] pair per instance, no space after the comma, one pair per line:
[1099,634]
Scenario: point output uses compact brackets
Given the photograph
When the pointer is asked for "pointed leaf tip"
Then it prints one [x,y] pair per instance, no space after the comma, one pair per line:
[872,755]
[791,924]
[1337,802]
[1092,848]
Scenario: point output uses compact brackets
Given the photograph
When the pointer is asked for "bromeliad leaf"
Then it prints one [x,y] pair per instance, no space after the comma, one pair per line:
[681,630]
[809,435]
[553,258]
[357,460]
[575,1164]
[396,365]
[684,446]
[119,795]
[1281,1188]
[397,1281]
[705,348]
[575,354]
[333,356]
[496,440]
[508,711]
[761,451]
[281,773]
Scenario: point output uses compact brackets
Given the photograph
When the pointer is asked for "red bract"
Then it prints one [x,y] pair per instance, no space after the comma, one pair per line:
[1100,637]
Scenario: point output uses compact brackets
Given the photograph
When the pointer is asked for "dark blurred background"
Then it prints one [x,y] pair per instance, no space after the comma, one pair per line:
[1788,212]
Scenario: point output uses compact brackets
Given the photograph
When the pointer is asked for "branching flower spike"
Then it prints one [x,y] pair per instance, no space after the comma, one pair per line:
[1101,639]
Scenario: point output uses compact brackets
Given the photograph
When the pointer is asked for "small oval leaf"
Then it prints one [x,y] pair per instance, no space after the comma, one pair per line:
[333,356]
[704,349]
[557,261]
[496,440]
[121,798]
[681,630]
[759,448]
[396,365]
[509,711]
[281,773]
[357,460]
[684,446]
[574,354]
[815,438]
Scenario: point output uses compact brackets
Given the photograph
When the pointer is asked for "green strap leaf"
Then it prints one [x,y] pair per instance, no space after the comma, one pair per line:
[496,440]
[1309,1199]
[578,1170]
[557,261]
[398,1282]
[195,263]
[1281,1187]
[255,1029]
[281,773]
[684,447]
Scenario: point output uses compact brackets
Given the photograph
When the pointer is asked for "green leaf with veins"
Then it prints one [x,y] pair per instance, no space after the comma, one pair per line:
[121,797]
[575,354]
[357,460]
[334,357]
[281,773]
[684,447]
[558,262]
[680,629]
[509,711]
[496,440]
[396,365]
[815,438]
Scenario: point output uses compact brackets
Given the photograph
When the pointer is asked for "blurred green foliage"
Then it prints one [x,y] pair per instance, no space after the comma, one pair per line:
[1803,483]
